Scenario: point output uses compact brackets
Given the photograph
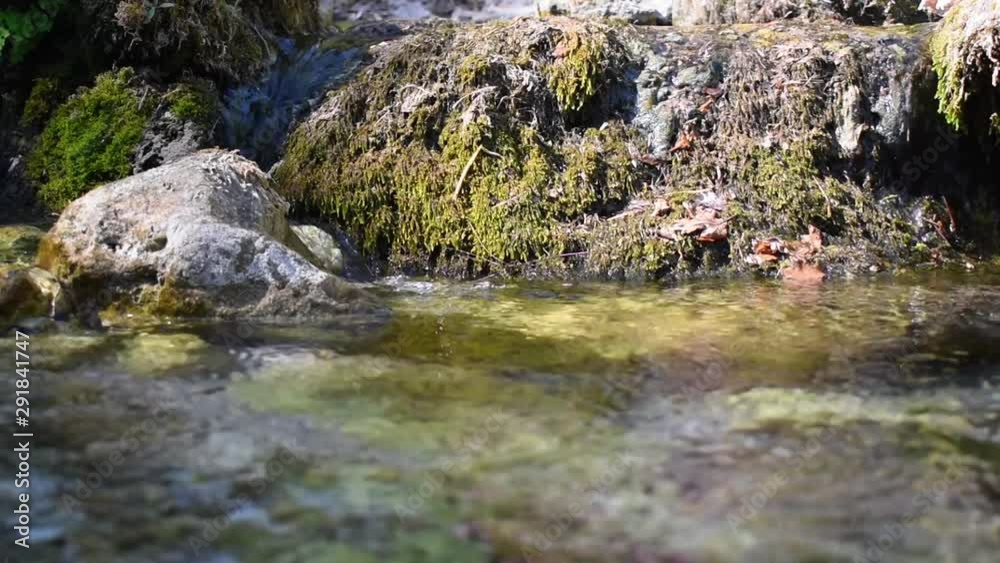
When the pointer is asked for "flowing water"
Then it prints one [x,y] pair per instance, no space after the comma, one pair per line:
[496,421]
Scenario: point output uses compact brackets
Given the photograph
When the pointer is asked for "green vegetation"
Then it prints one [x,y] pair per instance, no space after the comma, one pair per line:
[20,31]
[90,139]
[194,101]
[482,175]
[966,61]
[39,106]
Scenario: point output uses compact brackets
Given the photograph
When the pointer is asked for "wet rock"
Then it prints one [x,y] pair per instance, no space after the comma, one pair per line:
[18,244]
[698,12]
[322,247]
[967,60]
[202,236]
[167,139]
[30,293]
[786,125]
[640,12]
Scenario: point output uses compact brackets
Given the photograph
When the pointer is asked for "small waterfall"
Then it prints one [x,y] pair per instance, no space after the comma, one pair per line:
[257,118]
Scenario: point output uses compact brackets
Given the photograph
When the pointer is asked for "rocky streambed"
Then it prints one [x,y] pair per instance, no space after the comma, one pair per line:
[731,421]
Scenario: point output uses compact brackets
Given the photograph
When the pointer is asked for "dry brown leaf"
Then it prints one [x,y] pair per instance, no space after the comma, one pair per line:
[770,249]
[715,233]
[802,272]
[704,223]
[684,142]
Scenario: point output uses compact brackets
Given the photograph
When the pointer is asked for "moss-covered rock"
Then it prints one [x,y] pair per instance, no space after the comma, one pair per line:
[966,53]
[456,148]
[867,12]
[228,39]
[559,145]
[90,139]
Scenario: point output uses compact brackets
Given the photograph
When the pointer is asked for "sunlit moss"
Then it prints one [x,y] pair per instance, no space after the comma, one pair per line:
[90,139]
[449,178]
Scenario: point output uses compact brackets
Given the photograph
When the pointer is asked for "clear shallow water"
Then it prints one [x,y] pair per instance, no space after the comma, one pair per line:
[716,421]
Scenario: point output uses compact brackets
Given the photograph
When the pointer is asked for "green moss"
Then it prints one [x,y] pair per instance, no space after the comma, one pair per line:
[950,87]
[579,69]
[195,102]
[90,139]
[450,177]
[226,38]
[966,62]
[45,93]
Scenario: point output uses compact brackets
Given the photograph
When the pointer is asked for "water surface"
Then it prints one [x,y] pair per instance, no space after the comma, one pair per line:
[497,421]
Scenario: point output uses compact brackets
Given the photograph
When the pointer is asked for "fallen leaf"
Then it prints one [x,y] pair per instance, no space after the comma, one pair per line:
[770,250]
[704,223]
[703,108]
[802,272]
[684,141]
[714,233]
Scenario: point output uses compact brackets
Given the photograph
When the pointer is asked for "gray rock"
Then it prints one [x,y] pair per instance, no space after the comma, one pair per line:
[698,12]
[31,292]
[203,236]
[640,12]
[168,139]
[322,246]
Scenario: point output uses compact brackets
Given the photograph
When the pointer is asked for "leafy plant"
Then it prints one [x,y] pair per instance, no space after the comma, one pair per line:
[20,30]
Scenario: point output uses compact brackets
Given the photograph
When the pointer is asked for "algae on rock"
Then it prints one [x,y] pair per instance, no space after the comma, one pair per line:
[471,147]
[966,52]
[563,145]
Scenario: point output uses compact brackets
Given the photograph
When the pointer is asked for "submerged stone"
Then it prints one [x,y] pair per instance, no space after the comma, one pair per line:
[154,354]
[28,293]
[18,244]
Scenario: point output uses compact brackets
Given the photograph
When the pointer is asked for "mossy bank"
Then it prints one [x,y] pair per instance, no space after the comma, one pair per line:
[564,146]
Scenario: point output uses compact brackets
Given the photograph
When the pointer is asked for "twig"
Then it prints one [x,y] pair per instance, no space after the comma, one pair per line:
[951,215]
[829,205]
[465,172]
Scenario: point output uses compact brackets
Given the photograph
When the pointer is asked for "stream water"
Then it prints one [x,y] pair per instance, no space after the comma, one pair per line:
[495,421]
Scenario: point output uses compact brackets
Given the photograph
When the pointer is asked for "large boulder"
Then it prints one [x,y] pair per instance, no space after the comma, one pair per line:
[564,145]
[967,61]
[204,235]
